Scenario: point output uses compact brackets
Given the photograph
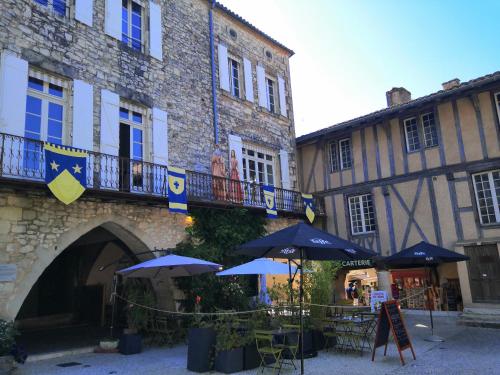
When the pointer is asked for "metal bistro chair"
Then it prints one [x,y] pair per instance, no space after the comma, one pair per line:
[268,351]
[291,345]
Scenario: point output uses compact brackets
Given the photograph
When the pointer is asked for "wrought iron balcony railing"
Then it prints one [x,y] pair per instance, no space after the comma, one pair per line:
[23,158]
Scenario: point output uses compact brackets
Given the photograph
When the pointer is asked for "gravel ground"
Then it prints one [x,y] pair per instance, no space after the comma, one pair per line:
[465,351]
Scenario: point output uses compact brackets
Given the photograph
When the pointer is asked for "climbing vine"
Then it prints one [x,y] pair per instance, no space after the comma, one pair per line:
[213,236]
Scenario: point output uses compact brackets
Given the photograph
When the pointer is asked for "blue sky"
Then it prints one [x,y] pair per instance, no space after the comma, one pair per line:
[350,52]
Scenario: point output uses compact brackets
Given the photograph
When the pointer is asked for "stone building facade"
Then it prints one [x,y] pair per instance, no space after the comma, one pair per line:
[419,170]
[141,85]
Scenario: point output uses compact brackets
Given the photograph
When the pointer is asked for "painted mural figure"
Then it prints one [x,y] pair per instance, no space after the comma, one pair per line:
[219,175]
[235,191]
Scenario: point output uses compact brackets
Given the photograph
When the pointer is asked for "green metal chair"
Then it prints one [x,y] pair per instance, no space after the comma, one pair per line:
[268,351]
[291,345]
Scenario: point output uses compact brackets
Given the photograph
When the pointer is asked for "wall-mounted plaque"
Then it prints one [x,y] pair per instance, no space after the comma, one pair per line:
[8,272]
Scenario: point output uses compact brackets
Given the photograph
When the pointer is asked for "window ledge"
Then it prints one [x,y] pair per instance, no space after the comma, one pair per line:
[490,226]
[364,233]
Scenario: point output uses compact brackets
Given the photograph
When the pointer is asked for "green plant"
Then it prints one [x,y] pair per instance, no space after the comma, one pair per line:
[8,333]
[138,293]
[227,337]
[213,236]
[319,288]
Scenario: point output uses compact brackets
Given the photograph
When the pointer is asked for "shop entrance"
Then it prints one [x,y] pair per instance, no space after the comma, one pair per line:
[484,273]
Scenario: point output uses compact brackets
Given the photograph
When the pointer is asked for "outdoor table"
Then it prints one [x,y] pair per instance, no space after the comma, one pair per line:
[281,335]
[351,333]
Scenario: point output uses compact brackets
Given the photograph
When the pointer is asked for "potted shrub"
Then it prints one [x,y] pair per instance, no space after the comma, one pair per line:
[138,318]
[229,346]
[8,335]
[108,344]
[201,342]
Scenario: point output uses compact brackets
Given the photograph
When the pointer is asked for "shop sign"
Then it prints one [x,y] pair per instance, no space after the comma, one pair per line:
[376,299]
[357,263]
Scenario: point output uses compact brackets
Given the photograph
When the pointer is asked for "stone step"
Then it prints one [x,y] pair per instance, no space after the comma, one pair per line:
[479,320]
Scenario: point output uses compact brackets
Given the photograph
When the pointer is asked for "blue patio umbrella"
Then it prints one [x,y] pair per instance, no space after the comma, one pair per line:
[261,267]
[427,255]
[304,242]
[170,265]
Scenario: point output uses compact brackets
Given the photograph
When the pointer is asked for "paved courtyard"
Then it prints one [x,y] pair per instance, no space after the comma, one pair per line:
[466,351]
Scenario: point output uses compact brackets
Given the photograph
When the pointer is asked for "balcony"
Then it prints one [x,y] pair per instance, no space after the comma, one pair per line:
[22,160]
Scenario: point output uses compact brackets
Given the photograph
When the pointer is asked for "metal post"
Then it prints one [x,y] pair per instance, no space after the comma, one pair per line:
[113,301]
[301,312]
[432,338]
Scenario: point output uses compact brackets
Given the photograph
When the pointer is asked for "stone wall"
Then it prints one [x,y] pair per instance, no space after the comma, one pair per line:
[35,228]
[180,84]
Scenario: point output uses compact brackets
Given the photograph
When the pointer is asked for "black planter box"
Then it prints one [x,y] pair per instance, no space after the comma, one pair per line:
[251,357]
[229,361]
[130,344]
[309,350]
[319,340]
[201,342]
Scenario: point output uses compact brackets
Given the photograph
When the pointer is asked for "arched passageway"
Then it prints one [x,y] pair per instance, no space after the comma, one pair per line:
[69,305]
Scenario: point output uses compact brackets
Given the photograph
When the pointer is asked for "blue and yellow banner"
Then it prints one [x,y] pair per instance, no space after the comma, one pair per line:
[65,172]
[270,199]
[307,199]
[177,197]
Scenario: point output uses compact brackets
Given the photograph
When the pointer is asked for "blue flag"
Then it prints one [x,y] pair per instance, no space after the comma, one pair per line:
[307,199]
[65,172]
[177,197]
[270,199]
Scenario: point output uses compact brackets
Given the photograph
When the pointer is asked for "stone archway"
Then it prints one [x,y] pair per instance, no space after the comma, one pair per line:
[29,271]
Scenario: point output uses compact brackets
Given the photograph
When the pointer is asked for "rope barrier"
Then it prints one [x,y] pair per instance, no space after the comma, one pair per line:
[228,313]
[222,313]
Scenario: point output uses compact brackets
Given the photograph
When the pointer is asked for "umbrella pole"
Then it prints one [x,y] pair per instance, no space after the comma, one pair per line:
[290,283]
[432,338]
[301,313]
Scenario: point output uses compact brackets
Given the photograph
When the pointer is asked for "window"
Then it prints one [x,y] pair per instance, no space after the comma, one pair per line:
[412,139]
[333,156]
[45,116]
[132,123]
[340,154]
[258,165]
[271,92]
[59,6]
[345,153]
[234,77]
[429,127]
[429,132]
[362,214]
[487,189]
[132,24]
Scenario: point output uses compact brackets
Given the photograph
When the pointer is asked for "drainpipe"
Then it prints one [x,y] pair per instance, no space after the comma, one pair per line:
[212,62]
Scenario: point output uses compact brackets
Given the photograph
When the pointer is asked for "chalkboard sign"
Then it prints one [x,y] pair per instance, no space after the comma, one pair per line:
[451,299]
[390,319]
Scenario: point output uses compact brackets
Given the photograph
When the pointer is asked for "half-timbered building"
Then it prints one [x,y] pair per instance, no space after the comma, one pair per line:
[426,169]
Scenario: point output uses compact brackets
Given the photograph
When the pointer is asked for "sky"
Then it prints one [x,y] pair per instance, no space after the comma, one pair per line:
[349,53]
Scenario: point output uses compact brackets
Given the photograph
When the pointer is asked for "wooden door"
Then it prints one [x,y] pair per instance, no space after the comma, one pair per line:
[484,273]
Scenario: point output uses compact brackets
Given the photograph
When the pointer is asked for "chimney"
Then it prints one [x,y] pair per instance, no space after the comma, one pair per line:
[398,95]
[451,84]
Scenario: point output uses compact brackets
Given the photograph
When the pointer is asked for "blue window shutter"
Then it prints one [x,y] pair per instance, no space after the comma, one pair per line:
[281,89]
[261,86]
[84,10]
[155,32]
[247,68]
[113,18]
[13,86]
[223,67]
[83,115]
